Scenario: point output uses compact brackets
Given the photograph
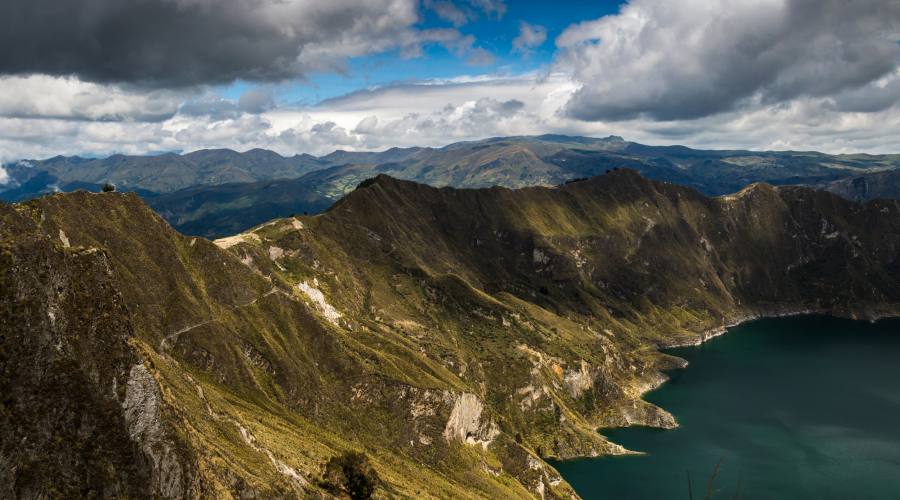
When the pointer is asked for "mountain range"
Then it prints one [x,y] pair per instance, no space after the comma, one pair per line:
[410,340]
[219,192]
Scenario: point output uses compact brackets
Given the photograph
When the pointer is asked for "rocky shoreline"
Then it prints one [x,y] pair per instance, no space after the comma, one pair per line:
[712,333]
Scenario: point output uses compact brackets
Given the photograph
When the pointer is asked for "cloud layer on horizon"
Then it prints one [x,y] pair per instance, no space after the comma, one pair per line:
[436,114]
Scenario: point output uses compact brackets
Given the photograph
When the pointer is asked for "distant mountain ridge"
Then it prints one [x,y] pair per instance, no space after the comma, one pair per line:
[217,192]
[156,174]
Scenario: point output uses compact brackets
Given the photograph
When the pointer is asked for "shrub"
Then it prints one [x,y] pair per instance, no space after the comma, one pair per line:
[108,188]
[350,474]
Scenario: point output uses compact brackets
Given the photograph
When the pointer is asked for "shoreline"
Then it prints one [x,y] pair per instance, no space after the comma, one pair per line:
[706,336]
[717,331]
[730,401]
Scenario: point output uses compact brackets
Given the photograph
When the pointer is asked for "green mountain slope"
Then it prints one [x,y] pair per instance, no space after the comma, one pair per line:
[454,337]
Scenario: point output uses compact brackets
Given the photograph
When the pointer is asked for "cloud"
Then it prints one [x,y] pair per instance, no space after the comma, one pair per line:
[435,113]
[465,47]
[530,36]
[46,137]
[486,116]
[495,8]
[41,96]
[480,57]
[209,104]
[135,76]
[686,59]
[213,106]
[876,96]
[541,93]
[172,43]
[414,115]
[368,125]
[256,101]
[462,12]
[448,11]
[429,114]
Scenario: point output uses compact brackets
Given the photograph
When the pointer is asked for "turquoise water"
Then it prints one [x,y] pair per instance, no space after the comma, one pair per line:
[805,407]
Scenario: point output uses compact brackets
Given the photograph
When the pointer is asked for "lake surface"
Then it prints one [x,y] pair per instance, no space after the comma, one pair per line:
[803,407]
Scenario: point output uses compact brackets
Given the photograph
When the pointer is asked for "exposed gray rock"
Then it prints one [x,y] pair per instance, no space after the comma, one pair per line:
[466,423]
[142,406]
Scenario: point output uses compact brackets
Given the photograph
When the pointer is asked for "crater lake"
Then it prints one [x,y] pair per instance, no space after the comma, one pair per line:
[798,407]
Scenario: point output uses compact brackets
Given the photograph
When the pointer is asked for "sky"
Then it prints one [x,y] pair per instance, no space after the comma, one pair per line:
[98,77]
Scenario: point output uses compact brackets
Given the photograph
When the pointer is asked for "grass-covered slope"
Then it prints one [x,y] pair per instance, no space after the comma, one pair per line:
[619,242]
[215,380]
[454,337]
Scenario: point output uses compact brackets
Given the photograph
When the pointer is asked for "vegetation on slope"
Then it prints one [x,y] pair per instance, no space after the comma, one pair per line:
[452,337]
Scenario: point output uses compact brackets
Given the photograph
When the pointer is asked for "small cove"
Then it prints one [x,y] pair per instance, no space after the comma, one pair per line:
[799,407]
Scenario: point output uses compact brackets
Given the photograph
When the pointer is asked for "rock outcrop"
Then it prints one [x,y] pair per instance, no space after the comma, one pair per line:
[467,424]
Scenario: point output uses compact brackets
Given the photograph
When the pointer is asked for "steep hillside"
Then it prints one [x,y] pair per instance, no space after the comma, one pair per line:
[152,362]
[867,186]
[231,208]
[453,337]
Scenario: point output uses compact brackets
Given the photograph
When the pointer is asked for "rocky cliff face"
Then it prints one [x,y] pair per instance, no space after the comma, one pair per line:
[453,336]
[865,187]
[80,413]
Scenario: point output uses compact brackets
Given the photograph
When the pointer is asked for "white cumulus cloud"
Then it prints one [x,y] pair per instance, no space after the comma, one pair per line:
[683,59]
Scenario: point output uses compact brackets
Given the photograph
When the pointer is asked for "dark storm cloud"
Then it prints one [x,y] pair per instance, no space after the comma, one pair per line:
[869,99]
[686,59]
[165,43]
